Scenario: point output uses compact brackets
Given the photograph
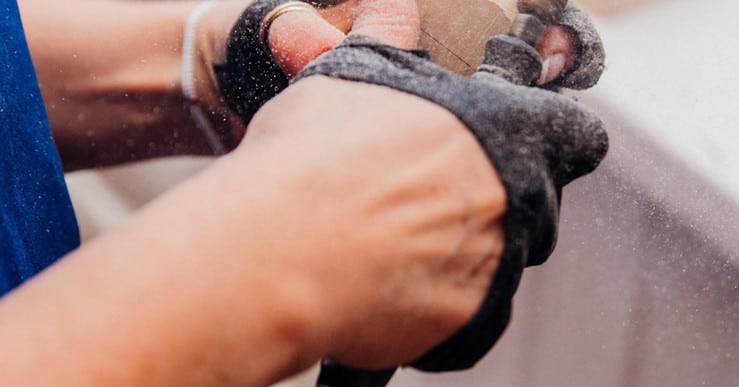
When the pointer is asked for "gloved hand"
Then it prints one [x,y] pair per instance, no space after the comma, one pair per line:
[537,140]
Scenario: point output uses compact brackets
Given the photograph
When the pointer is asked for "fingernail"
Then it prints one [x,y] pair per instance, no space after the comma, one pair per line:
[552,68]
[544,71]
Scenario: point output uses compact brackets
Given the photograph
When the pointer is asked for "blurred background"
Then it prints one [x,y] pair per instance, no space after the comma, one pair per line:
[643,289]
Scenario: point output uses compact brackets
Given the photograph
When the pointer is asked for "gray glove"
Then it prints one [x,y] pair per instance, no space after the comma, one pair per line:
[536,139]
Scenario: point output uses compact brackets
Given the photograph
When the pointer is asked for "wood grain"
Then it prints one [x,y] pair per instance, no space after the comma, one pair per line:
[455,31]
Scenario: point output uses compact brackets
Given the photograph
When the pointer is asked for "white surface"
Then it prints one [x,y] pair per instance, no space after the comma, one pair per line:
[673,67]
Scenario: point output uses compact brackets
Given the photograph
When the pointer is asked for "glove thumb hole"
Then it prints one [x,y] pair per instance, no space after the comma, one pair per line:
[395,22]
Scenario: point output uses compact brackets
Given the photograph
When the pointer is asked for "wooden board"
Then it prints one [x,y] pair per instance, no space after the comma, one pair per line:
[455,31]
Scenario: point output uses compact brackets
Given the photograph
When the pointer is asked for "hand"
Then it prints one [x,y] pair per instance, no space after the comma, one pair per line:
[537,140]
[445,223]
[414,216]
[296,38]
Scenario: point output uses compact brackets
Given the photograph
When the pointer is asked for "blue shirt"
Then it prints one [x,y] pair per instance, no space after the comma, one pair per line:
[37,223]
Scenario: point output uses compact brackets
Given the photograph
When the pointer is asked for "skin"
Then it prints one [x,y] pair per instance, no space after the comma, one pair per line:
[366,235]
[250,283]
[115,97]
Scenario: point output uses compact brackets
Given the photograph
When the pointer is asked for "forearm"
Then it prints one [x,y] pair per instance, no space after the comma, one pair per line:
[110,76]
[312,239]
[169,299]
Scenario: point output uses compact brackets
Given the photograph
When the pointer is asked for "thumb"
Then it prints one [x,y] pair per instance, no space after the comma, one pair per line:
[557,49]
[296,38]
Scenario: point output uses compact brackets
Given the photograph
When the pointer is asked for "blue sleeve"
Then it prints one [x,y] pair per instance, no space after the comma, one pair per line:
[37,223]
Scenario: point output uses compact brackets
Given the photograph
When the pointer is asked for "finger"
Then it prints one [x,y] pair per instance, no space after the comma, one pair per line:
[296,38]
[396,22]
[558,49]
